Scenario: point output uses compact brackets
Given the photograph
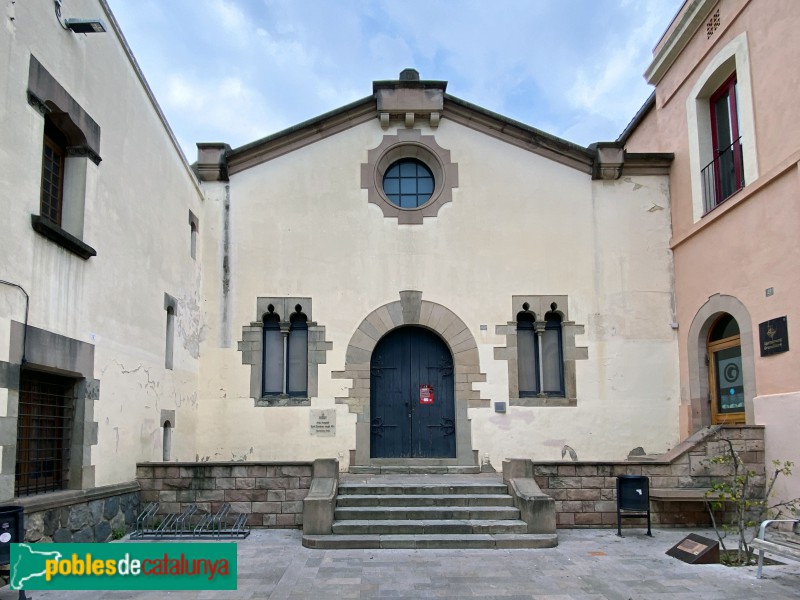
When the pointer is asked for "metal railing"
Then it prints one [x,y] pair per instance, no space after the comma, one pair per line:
[723,176]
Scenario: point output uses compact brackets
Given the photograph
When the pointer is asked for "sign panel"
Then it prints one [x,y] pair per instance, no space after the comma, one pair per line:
[323,423]
[695,550]
[426,394]
[774,336]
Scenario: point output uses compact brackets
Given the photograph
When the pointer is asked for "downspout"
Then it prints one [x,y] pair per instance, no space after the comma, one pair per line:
[25,330]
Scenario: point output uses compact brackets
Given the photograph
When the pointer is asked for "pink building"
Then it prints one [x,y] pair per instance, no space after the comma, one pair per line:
[726,76]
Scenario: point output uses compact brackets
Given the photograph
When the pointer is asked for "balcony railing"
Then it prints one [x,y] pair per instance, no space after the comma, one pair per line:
[723,176]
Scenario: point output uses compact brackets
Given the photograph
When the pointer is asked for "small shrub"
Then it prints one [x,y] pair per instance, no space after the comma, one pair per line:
[746,497]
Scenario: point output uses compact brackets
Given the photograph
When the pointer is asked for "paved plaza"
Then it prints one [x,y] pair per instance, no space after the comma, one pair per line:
[587,565]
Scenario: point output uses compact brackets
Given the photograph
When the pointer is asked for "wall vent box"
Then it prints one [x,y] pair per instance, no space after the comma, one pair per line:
[500,407]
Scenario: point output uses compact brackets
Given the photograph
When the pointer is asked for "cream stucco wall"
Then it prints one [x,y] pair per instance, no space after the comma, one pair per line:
[137,205]
[301,226]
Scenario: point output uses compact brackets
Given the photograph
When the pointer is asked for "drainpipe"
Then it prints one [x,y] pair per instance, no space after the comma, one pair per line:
[25,330]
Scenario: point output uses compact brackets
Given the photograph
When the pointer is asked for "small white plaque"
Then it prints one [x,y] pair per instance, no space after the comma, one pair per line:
[323,423]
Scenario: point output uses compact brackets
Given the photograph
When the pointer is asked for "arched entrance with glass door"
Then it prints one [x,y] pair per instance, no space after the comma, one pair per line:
[725,373]
[412,407]
[720,343]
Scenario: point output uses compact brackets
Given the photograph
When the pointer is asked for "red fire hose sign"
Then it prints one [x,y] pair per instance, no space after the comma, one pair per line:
[426,394]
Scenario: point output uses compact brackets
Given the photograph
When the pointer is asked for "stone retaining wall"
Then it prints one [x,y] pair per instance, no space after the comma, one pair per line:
[585,492]
[93,515]
[270,493]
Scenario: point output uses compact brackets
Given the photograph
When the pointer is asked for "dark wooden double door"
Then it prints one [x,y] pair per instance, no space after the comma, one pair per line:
[408,367]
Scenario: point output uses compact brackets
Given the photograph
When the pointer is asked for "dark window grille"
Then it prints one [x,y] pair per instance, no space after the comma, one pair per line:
[44,426]
[53,154]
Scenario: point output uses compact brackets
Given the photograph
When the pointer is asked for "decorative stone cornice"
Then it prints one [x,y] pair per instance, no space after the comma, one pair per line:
[410,100]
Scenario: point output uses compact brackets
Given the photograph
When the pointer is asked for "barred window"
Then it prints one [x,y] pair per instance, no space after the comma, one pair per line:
[44,428]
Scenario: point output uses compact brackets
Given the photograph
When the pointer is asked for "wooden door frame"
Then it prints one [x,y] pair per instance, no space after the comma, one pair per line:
[717,418]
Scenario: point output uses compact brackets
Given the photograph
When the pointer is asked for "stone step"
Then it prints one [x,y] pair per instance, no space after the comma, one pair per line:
[419,470]
[425,513]
[423,541]
[431,526]
[420,489]
[347,500]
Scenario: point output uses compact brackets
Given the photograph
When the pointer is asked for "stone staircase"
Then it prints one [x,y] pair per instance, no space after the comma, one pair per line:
[443,511]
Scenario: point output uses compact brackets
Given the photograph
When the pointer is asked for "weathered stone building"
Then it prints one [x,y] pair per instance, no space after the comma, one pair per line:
[409,280]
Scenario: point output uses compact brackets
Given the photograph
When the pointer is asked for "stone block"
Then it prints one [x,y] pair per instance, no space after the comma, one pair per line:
[663,482]
[144,472]
[565,482]
[588,519]
[605,506]
[592,482]
[256,470]
[79,517]
[269,520]
[298,494]
[586,471]
[285,520]
[210,495]
[571,506]
[267,507]
[583,494]
[609,518]
[292,507]
[243,495]
[604,470]
[102,532]
[754,445]
[545,470]
[225,483]
[657,470]
[168,496]
[276,495]
[565,519]
[297,471]
[85,535]
[221,471]
[245,483]
[239,508]
[273,483]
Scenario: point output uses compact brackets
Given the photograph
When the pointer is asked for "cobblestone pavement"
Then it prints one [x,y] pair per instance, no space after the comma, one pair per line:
[587,565]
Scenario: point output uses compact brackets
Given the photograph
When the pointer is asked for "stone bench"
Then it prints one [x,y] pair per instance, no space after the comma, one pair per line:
[783,543]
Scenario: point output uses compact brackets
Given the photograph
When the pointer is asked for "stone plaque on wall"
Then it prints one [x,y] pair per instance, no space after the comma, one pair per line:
[323,422]
[774,336]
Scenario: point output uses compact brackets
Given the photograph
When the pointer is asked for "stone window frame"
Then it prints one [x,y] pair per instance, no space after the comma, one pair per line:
[540,305]
[409,143]
[82,133]
[251,347]
[60,355]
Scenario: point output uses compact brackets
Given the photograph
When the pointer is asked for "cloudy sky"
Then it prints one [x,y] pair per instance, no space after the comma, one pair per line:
[236,70]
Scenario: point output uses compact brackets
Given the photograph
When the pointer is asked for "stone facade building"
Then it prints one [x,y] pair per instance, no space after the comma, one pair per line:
[408,280]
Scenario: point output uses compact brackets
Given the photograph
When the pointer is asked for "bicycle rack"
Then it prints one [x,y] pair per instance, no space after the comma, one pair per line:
[222,525]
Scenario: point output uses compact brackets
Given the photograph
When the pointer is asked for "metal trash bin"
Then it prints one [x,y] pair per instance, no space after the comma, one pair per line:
[633,500]
[12,530]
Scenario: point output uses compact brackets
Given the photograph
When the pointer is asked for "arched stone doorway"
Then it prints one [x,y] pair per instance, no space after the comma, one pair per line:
[411,309]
